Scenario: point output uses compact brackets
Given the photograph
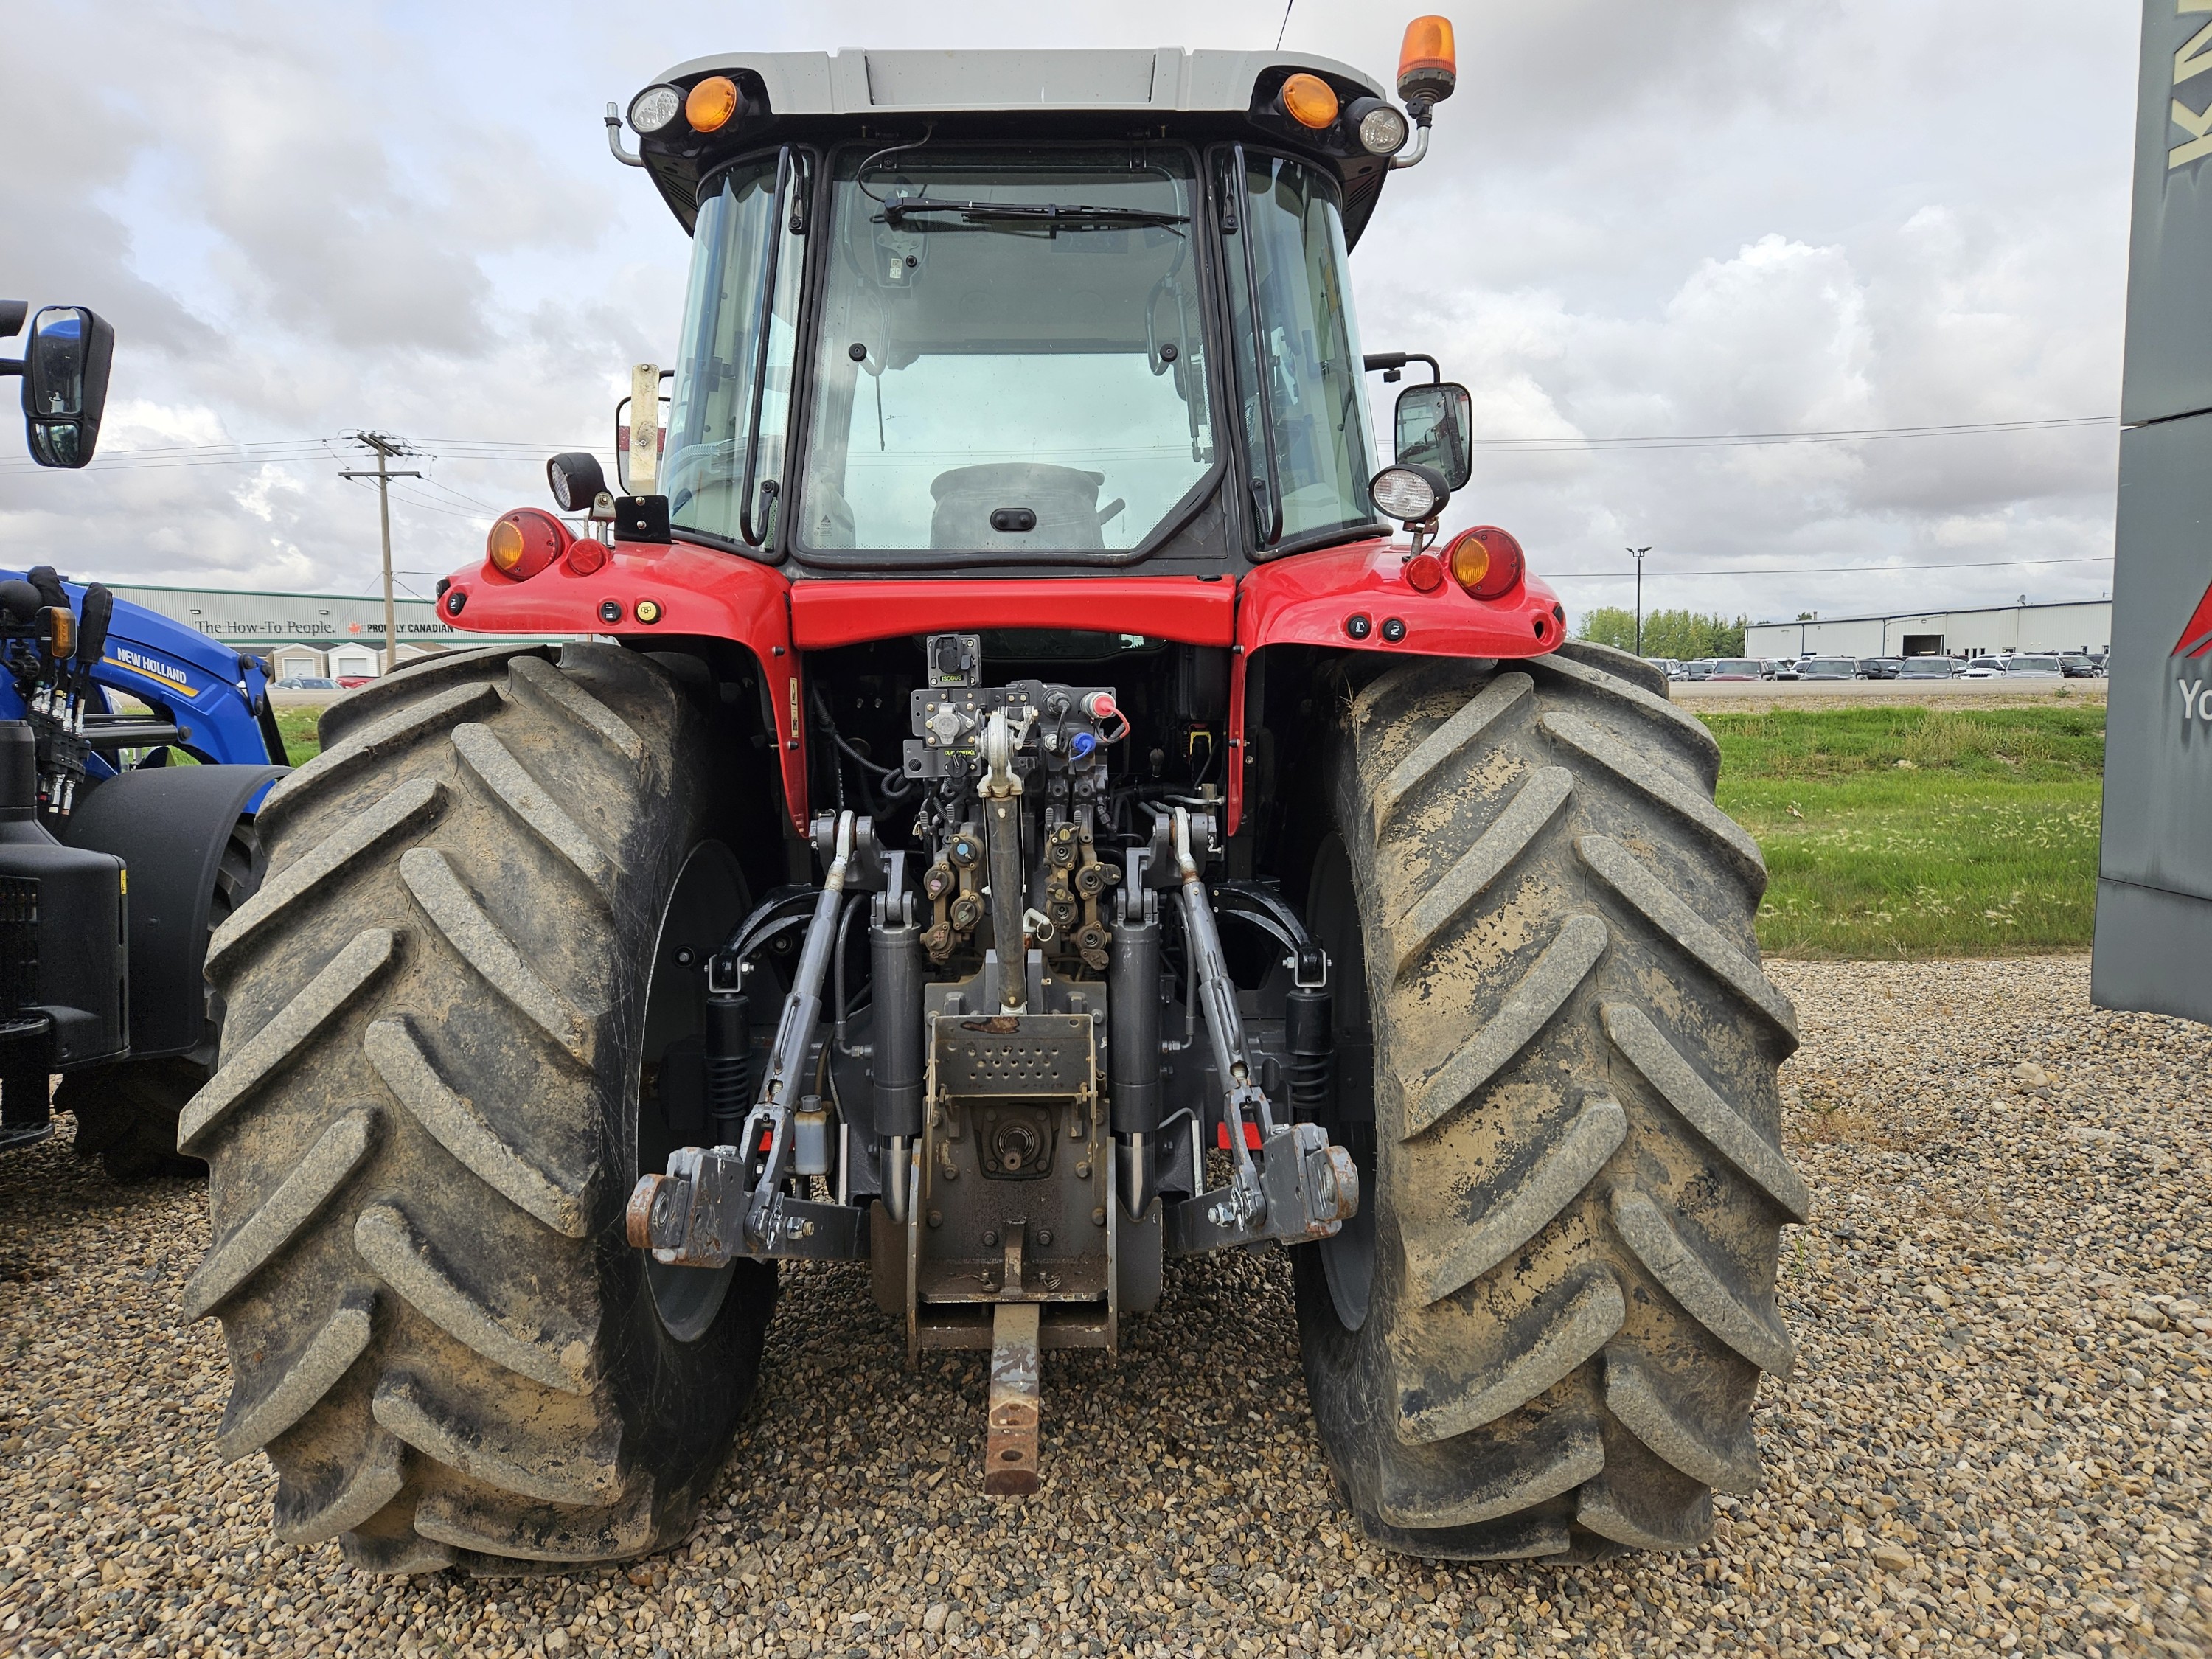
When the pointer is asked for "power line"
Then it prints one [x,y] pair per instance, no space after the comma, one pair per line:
[1828,570]
[293,450]
[1842,435]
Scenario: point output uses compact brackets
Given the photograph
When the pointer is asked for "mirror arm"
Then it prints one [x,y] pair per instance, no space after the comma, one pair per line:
[614,139]
[1391,362]
[13,366]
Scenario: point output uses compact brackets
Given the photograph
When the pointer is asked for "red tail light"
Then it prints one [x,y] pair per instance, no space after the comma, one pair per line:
[524,542]
[1424,572]
[1486,562]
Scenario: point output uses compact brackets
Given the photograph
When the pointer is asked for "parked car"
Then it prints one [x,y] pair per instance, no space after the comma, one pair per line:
[347,682]
[2038,667]
[1828,668]
[1879,668]
[1666,665]
[2077,665]
[304,682]
[1737,668]
[1924,668]
[1984,668]
[1786,670]
[1701,669]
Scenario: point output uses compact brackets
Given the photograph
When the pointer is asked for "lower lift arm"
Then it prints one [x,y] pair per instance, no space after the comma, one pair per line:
[718,1203]
[1299,1187]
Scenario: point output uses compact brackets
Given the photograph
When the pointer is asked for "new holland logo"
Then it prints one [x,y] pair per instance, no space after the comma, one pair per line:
[152,667]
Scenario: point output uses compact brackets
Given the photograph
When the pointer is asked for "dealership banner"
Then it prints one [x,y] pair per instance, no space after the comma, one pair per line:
[2155,878]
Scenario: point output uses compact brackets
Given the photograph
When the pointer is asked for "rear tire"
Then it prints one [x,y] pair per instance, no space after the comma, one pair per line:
[426,1122]
[1574,1169]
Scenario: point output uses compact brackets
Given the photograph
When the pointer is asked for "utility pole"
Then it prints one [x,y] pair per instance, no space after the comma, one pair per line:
[386,448]
[1637,554]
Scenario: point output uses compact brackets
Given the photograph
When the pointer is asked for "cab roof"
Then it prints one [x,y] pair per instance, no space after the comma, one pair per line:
[856,81]
[1165,92]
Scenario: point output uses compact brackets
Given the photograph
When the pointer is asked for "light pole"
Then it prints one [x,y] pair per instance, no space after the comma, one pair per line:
[1637,554]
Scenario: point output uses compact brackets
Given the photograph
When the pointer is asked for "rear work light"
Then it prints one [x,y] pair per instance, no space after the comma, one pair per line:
[1381,130]
[1308,100]
[1486,562]
[655,108]
[524,542]
[1409,494]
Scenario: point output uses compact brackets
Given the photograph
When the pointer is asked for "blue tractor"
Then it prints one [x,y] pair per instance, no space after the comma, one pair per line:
[133,754]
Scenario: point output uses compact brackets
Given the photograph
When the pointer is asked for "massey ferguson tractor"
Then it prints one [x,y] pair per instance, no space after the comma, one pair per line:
[1017,811]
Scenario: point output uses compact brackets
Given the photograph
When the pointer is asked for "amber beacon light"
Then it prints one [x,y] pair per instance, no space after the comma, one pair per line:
[1428,64]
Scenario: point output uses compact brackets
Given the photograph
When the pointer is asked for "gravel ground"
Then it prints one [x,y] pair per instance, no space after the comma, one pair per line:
[1996,1441]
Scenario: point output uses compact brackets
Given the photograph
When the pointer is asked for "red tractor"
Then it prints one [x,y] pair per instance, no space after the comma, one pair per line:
[1014,813]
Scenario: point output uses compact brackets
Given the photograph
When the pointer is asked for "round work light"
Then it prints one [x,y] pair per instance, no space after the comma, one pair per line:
[655,108]
[1410,495]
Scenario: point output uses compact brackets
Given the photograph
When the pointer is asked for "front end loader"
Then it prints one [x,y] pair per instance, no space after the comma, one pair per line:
[1015,811]
[132,753]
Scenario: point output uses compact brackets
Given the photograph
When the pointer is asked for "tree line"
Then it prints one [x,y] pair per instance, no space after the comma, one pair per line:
[1685,635]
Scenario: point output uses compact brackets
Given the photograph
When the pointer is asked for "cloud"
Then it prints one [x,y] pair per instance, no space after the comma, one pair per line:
[1706,217]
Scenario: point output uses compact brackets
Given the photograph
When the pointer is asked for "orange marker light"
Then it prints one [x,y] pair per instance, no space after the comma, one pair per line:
[1428,64]
[1486,562]
[504,546]
[713,102]
[1470,562]
[1308,100]
[524,542]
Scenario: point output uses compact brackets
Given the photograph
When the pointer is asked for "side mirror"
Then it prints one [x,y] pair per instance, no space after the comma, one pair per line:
[64,370]
[1435,429]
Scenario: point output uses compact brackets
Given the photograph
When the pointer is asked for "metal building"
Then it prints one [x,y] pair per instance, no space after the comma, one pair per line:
[1990,631]
[304,634]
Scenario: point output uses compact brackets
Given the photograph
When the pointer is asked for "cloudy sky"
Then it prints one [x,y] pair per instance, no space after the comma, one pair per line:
[1638,220]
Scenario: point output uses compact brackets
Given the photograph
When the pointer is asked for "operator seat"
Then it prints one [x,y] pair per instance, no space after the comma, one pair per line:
[1063,500]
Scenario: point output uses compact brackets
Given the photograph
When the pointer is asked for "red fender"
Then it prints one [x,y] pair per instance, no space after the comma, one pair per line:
[1355,598]
[1352,598]
[694,590]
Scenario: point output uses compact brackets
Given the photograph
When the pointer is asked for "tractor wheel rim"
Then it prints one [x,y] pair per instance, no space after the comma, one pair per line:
[706,902]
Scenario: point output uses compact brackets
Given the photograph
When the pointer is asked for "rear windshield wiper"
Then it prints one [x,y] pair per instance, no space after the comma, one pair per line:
[1054,215]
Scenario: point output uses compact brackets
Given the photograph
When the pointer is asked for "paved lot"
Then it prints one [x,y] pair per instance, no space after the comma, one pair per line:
[1996,1442]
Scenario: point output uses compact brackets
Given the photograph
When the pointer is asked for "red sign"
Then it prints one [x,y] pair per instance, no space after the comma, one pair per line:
[2196,640]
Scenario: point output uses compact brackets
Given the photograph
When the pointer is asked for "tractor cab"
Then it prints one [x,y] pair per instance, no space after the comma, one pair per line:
[1020,309]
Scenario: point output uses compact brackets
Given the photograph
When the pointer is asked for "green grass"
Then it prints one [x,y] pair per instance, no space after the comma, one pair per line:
[298,725]
[1919,832]
[1899,831]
